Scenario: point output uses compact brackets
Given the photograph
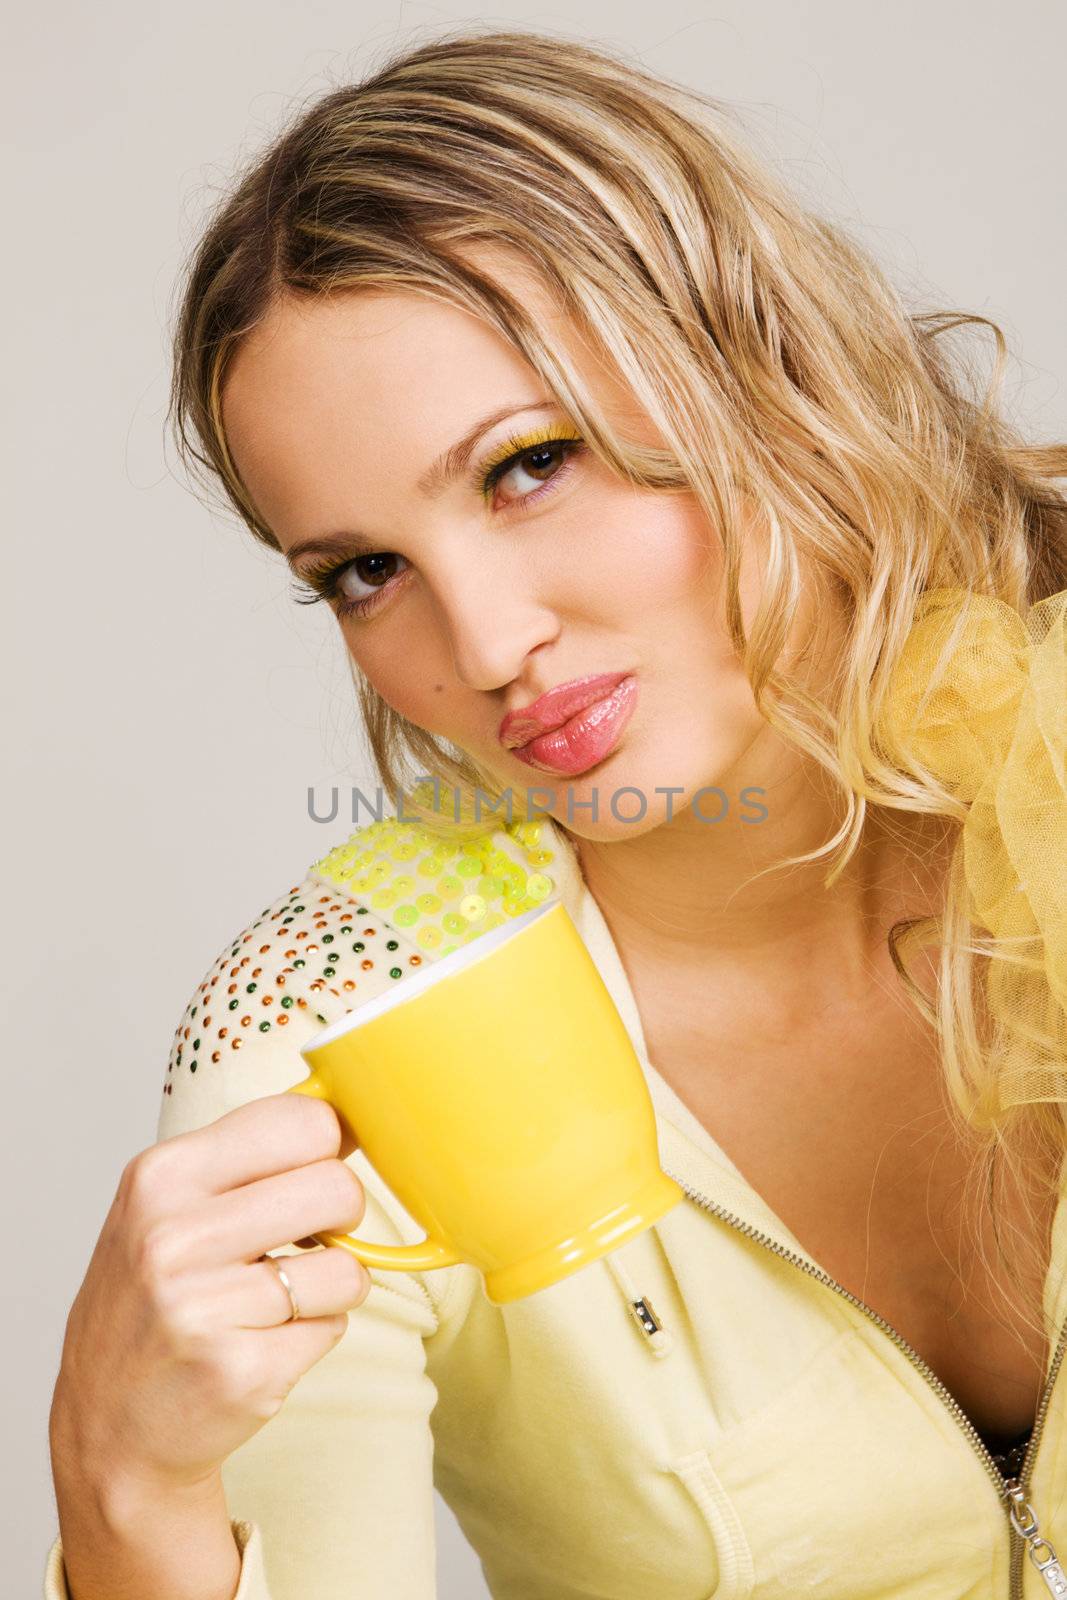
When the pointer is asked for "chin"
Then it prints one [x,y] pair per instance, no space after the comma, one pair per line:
[629,800]
[619,783]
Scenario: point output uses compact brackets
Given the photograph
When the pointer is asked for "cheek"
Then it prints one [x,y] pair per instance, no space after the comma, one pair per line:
[657,555]
[419,684]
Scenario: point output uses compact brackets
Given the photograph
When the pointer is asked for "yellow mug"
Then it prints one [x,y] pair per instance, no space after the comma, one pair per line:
[499,1096]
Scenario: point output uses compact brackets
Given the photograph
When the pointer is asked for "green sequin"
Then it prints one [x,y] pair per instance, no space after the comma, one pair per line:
[454,889]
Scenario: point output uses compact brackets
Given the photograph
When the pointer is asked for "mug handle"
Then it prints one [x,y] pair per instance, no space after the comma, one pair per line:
[392,1257]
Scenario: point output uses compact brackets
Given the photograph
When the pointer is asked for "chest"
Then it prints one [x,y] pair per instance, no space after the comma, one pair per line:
[845,1134]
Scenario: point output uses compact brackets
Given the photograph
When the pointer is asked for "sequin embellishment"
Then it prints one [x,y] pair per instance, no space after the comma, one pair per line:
[372,909]
[445,892]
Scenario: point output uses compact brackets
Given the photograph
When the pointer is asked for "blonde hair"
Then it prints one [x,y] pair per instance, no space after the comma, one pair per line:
[776,360]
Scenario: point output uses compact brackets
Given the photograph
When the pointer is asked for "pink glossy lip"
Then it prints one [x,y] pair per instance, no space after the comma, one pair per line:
[585,739]
[555,707]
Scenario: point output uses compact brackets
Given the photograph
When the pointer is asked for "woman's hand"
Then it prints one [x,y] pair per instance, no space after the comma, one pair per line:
[177,1348]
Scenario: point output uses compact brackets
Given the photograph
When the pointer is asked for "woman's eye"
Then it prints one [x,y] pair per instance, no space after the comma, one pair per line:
[354,587]
[535,467]
[358,579]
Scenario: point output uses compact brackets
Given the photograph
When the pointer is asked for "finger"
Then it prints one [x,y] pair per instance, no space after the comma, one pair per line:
[324,1284]
[296,1346]
[240,1225]
[255,1140]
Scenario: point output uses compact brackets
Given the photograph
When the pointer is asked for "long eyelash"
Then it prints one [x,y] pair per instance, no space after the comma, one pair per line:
[510,452]
[322,578]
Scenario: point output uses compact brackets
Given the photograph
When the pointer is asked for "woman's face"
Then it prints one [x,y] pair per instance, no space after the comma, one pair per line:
[465,594]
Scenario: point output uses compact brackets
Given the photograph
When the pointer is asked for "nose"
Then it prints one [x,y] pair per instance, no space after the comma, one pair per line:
[493,619]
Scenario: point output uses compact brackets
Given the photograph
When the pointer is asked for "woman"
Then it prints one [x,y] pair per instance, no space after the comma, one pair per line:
[634,489]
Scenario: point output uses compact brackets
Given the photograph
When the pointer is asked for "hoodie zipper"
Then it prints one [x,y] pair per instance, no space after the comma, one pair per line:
[1012,1491]
[1021,1513]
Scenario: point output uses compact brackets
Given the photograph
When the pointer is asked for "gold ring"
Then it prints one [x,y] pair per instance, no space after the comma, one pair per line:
[284,1276]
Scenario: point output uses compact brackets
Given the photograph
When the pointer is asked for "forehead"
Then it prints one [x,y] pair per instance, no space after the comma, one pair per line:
[334,407]
[375,351]
[354,392]
[396,349]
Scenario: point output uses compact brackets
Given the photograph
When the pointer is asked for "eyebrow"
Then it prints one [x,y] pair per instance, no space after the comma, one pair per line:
[443,471]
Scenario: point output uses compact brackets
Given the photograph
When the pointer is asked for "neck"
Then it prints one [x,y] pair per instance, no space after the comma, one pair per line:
[694,899]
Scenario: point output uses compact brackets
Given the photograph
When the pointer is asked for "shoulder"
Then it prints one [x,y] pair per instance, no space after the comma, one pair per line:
[375,907]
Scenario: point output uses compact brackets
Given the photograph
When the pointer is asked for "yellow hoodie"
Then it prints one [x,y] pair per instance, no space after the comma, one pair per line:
[703,1413]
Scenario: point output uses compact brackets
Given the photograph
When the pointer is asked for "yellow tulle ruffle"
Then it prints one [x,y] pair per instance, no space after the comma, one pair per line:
[979,698]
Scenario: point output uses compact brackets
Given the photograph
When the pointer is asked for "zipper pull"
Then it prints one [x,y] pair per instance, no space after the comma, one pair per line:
[1041,1553]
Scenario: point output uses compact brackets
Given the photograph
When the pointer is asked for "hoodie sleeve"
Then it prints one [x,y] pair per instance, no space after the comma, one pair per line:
[333,1497]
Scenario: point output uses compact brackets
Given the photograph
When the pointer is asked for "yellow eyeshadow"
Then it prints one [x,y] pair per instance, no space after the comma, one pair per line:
[518,444]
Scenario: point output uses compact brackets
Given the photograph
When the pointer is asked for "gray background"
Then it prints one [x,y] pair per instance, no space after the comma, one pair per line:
[171,704]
